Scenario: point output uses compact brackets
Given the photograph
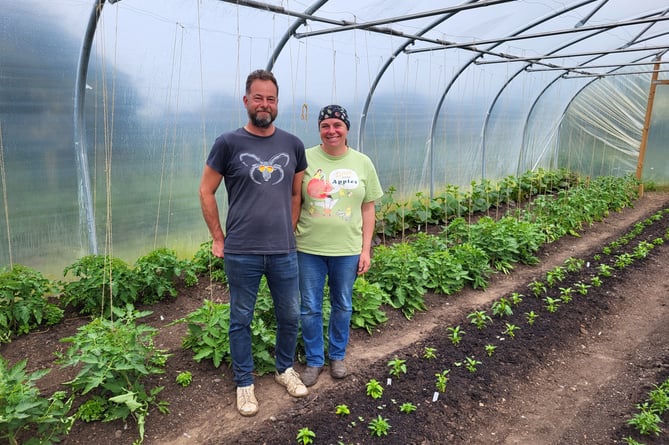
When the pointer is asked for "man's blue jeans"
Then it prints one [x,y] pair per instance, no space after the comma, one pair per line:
[341,272]
[244,273]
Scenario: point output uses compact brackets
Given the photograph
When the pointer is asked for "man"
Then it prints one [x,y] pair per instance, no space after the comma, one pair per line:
[262,167]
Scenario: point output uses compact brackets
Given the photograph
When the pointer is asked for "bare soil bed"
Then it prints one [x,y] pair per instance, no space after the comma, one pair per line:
[574,377]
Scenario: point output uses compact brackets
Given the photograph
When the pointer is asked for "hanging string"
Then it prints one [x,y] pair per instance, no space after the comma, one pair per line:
[174,142]
[334,70]
[178,30]
[305,106]
[108,120]
[4,198]
[203,119]
[356,65]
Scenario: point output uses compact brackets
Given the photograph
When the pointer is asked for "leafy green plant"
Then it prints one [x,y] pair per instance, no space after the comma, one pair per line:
[156,274]
[24,302]
[552,304]
[207,333]
[490,349]
[555,275]
[402,275]
[93,409]
[184,378]
[646,421]
[397,367]
[596,281]
[205,263]
[642,250]
[566,294]
[605,270]
[447,274]
[582,288]
[390,214]
[574,264]
[516,298]
[510,329]
[22,407]
[659,399]
[305,436]
[623,260]
[538,288]
[407,407]
[114,357]
[479,318]
[374,389]
[531,317]
[475,261]
[101,282]
[502,308]
[429,353]
[379,426]
[342,410]
[455,334]
[442,380]
[471,364]
[367,300]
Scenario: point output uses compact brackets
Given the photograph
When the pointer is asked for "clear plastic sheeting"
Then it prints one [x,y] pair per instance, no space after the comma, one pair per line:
[439,93]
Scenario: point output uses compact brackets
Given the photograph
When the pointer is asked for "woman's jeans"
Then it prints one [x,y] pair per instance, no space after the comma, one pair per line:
[341,272]
[244,273]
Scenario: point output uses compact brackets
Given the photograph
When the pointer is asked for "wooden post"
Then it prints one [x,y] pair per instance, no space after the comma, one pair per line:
[646,124]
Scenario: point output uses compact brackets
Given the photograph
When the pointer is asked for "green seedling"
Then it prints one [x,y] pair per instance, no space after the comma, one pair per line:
[442,380]
[184,378]
[305,436]
[531,317]
[342,410]
[510,330]
[407,407]
[480,319]
[455,335]
[374,389]
[397,367]
[379,426]
[429,353]
[472,363]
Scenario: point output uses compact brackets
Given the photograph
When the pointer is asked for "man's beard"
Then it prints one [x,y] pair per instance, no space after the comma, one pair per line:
[262,122]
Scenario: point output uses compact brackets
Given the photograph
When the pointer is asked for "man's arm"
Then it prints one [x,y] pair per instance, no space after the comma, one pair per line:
[211,179]
[297,197]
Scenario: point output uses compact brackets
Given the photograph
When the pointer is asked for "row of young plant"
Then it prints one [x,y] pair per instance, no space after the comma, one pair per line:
[115,355]
[402,273]
[555,296]
[396,217]
[95,283]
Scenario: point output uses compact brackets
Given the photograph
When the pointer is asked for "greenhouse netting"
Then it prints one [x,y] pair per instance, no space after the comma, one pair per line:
[108,109]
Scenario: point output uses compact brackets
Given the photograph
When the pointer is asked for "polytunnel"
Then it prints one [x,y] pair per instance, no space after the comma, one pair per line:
[108,109]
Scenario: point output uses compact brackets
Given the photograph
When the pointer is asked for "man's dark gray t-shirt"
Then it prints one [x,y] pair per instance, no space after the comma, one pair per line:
[258,173]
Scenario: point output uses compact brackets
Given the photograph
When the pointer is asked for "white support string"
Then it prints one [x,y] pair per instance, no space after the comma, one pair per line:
[3,177]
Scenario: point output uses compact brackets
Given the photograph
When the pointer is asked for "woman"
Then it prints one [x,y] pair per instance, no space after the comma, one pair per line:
[334,237]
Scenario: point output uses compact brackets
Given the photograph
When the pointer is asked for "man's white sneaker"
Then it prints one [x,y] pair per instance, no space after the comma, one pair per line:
[291,380]
[247,404]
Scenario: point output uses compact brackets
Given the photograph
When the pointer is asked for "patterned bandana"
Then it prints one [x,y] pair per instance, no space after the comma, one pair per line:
[336,112]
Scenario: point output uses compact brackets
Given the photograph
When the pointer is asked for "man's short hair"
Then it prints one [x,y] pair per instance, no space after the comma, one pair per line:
[261,75]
